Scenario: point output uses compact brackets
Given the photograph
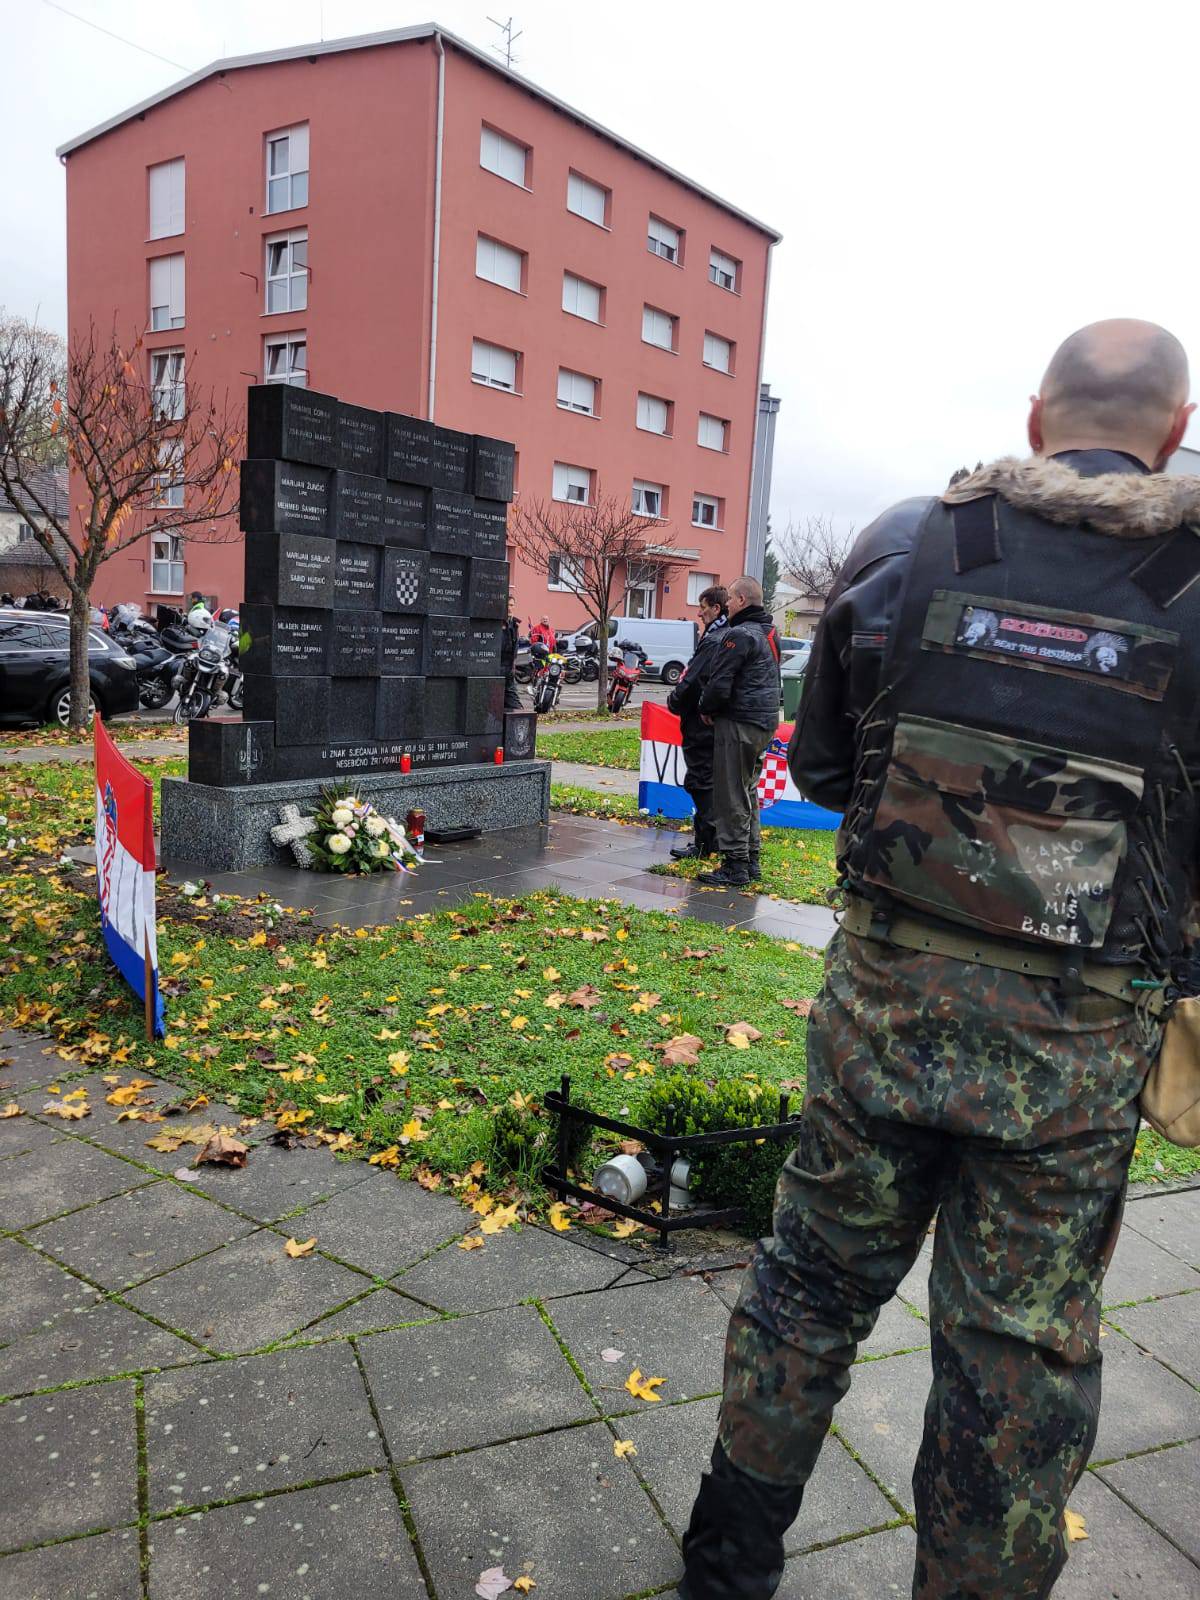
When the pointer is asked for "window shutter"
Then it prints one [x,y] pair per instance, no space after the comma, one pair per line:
[177,291]
[298,152]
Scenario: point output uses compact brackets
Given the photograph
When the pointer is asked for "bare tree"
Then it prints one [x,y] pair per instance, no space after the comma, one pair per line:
[136,443]
[599,550]
[812,553]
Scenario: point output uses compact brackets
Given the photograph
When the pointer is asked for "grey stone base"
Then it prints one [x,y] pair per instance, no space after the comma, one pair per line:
[227,830]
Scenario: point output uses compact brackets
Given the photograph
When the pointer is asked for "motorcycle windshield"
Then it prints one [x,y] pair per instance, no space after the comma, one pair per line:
[215,644]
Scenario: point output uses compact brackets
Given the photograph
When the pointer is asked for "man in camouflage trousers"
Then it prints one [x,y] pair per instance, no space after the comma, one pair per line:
[1018,766]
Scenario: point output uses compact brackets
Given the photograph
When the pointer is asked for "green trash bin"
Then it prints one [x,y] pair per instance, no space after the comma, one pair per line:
[793,687]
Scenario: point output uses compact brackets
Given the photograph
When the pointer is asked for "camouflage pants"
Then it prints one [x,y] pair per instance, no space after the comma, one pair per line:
[1009,1110]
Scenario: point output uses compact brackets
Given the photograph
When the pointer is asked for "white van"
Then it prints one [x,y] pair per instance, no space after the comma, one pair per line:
[669,644]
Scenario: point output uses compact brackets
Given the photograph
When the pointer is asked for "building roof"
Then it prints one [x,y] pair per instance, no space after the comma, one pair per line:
[367,41]
[51,485]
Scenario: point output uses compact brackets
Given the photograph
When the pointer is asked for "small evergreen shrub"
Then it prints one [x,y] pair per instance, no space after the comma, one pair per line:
[734,1175]
[524,1142]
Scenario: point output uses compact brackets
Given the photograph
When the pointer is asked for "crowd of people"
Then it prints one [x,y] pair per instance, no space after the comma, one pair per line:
[38,601]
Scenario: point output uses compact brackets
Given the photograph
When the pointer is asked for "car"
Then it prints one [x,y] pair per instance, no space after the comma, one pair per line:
[669,643]
[35,670]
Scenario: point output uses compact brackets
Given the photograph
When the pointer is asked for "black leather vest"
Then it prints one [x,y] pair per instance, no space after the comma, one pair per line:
[1029,768]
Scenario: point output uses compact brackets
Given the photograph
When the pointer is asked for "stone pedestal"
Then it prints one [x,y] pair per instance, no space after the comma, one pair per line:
[229,830]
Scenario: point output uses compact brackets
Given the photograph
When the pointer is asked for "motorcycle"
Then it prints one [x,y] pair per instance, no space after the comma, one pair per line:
[157,663]
[523,663]
[204,675]
[626,674]
[548,678]
[587,653]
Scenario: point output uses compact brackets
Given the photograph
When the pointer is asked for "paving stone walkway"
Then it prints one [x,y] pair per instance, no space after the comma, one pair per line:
[190,1414]
[581,855]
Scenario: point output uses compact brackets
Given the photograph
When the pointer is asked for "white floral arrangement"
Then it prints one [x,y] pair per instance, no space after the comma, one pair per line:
[350,835]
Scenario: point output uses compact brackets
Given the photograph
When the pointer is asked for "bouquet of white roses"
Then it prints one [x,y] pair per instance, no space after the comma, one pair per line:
[352,836]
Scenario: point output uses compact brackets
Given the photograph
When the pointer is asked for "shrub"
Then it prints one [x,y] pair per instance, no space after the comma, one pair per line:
[524,1143]
[732,1175]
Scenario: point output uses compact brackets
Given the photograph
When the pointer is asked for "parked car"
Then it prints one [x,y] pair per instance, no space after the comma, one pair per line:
[35,670]
[669,644]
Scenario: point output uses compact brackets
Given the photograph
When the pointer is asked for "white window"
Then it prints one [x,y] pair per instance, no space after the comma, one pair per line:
[718,353]
[166,199]
[24,532]
[286,360]
[587,199]
[287,168]
[166,563]
[572,483]
[576,392]
[503,156]
[706,511]
[658,327]
[168,395]
[722,270]
[653,414]
[168,480]
[580,298]
[498,263]
[564,572]
[494,365]
[662,239]
[697,583]
[647,498]
[166,292]
[287,271]
[713,432]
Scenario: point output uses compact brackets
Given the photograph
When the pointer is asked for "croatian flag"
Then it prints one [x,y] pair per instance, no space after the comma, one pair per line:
[661,791]
[125,870]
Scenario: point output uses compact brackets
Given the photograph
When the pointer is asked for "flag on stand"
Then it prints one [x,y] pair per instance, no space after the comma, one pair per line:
[661,791]
[125,872]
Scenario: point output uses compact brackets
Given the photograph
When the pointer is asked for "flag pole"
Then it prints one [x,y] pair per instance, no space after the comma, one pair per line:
[149,987]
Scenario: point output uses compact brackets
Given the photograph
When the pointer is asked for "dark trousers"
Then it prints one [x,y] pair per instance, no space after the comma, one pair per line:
[512,698]
[1009,1110]
[738,750]
[698,782]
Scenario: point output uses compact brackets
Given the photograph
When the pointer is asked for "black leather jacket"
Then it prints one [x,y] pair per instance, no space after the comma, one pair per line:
[510,630]
[684,698]
[743,684]
[842,677]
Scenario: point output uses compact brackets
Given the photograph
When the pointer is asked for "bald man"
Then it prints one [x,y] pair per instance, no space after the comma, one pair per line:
[1004,701]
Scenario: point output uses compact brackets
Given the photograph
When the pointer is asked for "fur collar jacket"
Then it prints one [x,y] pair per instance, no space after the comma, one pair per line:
[1125,505]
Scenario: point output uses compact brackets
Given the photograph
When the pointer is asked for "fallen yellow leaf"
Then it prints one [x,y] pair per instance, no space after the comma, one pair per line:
[524,1585]
[295,1249]
[625,1227]
[557,1216]
[1075,1525]
[413,1130]
[69,1113]
[123,1097]
[385,1158]
[643,1388]
[551,974]
[472,1242]
[503,1217]
[624,1447]
[12,1109]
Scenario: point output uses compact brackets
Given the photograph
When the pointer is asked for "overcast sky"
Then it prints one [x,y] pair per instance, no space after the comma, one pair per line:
[958,185]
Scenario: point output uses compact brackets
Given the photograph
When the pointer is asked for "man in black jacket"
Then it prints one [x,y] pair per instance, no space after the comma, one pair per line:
[684,701]
[1003,701]
[740,700]
[510,640]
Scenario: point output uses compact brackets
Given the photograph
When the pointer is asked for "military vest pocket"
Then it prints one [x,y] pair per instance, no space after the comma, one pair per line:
[1001,834]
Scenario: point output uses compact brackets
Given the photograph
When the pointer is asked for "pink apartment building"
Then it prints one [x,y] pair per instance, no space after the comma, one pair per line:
[399,220]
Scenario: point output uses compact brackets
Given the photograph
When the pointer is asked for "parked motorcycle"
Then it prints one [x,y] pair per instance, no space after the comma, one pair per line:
[523,665]
[626,674]
[157,663]
[587,653]
[548,677]
[205,674]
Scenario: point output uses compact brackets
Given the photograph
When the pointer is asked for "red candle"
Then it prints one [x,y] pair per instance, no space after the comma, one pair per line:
[406,762]
[498,758]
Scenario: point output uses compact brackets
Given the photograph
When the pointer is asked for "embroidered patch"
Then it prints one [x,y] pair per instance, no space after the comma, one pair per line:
[1060,644]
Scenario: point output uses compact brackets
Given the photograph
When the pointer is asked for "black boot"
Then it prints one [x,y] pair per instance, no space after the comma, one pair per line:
[733,873]
[754,868]
[733,1548]
[687,852]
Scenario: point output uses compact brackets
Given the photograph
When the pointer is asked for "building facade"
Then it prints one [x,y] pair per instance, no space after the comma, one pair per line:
[402,222]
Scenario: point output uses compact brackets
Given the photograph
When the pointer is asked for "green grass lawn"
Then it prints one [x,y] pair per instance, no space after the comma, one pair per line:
[606,747]
[399,1041]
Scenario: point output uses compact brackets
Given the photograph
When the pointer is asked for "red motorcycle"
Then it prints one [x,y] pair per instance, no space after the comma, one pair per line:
[626,673]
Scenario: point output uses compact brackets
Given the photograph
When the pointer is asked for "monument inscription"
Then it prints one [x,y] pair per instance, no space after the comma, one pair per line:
[375,587]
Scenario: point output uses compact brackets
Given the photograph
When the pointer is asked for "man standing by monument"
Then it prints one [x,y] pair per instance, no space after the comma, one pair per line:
[1018,855]
[697,733]
[741,701]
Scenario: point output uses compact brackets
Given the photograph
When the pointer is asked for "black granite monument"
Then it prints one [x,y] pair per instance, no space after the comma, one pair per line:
[376,586]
